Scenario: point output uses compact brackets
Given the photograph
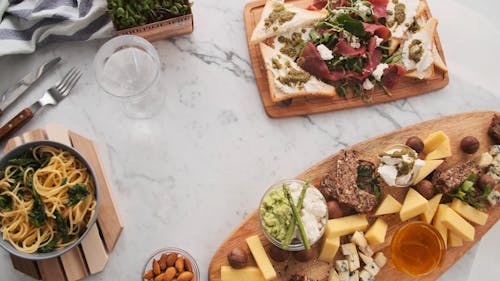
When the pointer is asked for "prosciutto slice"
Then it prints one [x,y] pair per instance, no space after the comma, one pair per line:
[379,8]
[392,75]
[320,4]
[377,29]
[347,50]
[312,62]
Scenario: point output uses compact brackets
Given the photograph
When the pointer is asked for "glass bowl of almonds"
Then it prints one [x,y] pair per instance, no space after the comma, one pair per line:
[171,264]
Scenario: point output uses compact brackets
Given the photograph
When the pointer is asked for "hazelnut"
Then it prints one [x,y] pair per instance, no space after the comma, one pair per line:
[469,144]
[278,254]
[334,210]
[305,255]
[425,188]
[485,180]
[237,258]
[415,143]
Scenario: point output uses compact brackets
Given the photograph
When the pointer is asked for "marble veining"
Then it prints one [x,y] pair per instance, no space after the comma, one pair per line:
[189,175]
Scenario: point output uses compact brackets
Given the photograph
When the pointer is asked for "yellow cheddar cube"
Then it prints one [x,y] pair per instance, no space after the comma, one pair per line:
[346,225]
[376,234]
[438,224]
[431,208]
[456,224]
[261,258]
[429,167]
[454,240]
[442,151]
[414,205]
[434,140]
[329,249]
[468,212]
[388,206]
[249,273]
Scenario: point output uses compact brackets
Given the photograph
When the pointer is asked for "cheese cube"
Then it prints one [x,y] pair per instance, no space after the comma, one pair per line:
[249,273]
[429,167]
[455,223]
[493,197]
[435,139]
[366,259]
[354,276]
[468,212]
[329,249]
[438,223]
[364,275]
[344,276]
[442,151]
[341,266]
[349,250]
[261,258]
[454,240]
[346,225]
[334,276]
[414,205]
[359,239]
[372,267]
[485,160]
[380,259]
[388,206]
[376,234]
[431,208]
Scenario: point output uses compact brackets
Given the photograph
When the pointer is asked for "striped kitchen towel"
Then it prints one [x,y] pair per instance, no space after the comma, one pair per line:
[28,24]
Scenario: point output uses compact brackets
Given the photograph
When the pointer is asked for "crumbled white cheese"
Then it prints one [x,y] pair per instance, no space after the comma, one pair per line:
[363,8]
[367,84]
[355,43]
[379,71]
[324,52]
[378,40]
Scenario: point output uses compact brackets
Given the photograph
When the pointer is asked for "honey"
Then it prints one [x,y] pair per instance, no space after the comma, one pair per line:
[417,248]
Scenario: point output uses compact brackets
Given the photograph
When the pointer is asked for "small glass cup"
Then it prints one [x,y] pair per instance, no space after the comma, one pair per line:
[296,243]
[417,248]
[149,264]
[128,67]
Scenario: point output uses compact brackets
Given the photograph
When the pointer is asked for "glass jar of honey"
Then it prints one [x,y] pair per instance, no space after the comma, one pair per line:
[417,248]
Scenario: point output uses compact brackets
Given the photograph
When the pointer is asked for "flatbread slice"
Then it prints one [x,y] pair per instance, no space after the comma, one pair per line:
[280,68]
[438,60]
[424,69]
[279,17]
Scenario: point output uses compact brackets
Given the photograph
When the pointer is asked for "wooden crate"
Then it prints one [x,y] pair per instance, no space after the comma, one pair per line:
[162,29]
[91,256]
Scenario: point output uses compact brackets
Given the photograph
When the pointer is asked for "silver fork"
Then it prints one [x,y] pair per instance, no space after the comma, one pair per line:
[51,97]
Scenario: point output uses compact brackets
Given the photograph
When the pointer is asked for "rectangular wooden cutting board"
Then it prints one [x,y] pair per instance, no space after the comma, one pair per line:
[407,87]
[455,126]
[91,256]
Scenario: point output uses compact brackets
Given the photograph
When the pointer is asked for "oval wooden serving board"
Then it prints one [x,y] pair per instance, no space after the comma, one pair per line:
[407,87]
[455,126]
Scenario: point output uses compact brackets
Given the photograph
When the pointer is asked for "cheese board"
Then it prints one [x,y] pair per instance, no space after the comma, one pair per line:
[455,126]
[407,87]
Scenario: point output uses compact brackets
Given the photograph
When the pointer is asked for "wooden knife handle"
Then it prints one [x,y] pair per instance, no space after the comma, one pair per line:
[15,123]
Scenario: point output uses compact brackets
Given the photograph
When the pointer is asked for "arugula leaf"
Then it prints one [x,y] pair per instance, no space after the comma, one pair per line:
[62,227]
[50,246]
[37,214]
[5,203]
[77,193]
[353,26]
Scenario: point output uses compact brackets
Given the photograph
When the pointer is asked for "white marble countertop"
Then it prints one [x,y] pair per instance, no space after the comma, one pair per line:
[190,175]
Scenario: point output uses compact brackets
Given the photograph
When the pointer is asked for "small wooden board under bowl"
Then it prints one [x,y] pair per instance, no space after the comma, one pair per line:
[407,87]
[455,126]
[91,256]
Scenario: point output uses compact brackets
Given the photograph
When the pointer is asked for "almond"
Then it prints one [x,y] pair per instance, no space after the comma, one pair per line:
[170,274]
[156,267]
[171,258]
[185,276]
[187,265]
[149,275]
[160,277]
[179,264]
[163,261]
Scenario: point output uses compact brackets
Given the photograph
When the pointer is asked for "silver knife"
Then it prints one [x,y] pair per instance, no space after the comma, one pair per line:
[14,92]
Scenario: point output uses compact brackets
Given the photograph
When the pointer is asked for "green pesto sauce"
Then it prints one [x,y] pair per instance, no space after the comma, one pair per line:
[276,63]
[279,14]
[414,27]
[416,50]
[399,13]
[404,167]
[293,45]
[276,214]
[295,78]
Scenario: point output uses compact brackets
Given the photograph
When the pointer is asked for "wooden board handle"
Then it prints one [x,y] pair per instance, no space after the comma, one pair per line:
[15,123]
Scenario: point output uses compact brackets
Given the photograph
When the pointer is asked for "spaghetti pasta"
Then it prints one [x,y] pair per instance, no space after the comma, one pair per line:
[47,199]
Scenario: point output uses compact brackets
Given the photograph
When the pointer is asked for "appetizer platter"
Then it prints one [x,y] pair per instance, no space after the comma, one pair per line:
[91,255]
[312,56]
[433,184]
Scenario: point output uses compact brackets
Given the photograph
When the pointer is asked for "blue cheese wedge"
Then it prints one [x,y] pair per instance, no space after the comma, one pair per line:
[344,276]
[372,267]
[354,276]
[493,197]
[334,276]
[380,259]
[351,254]
[341,266]
[364,275]
[366,259]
